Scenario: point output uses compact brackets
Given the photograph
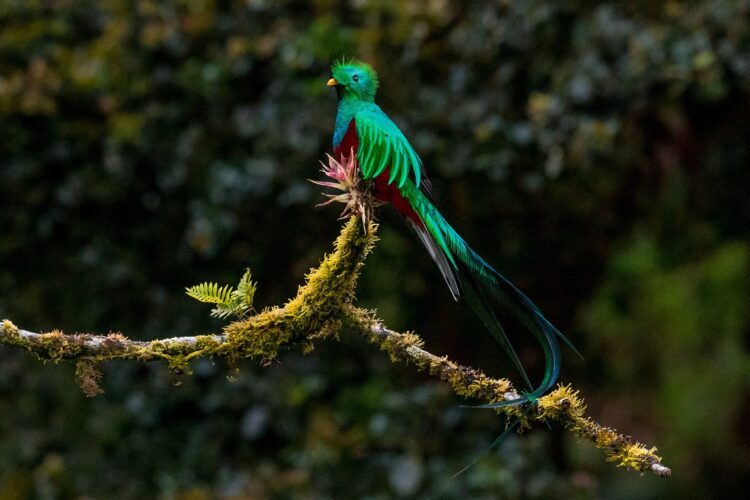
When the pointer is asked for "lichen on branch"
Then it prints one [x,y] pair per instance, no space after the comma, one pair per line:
[323,308]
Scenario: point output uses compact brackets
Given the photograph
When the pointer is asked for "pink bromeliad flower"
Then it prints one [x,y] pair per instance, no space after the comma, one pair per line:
[354,194]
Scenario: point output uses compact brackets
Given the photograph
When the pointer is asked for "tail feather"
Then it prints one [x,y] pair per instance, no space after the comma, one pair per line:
[449,272]
[494,444]
[478,302]
[482,281]
[467,287]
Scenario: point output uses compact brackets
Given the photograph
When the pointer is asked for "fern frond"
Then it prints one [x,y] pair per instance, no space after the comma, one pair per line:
[245,292]
[223,311]
[229,302]
[211,293]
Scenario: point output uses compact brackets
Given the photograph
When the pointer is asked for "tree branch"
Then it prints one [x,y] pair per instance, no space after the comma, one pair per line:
[321,308]
[563,405]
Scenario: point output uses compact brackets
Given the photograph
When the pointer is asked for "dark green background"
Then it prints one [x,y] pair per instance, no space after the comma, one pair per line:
[595,152]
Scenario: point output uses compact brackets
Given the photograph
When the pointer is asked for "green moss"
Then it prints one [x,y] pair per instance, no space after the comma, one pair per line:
[316,311]
[260,336]
[561,404]
[178,354]
[10,329]
[397,345]
[56,346]
[465,382]
[636,457]
[207,343]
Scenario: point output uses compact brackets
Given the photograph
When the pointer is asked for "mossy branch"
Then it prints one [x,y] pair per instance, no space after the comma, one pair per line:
[322,308]
[563,405]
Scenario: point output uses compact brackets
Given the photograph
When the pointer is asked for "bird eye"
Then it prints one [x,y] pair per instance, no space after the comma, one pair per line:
[355,78]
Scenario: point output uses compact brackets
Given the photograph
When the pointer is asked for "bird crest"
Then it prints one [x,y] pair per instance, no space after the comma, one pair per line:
[353,77]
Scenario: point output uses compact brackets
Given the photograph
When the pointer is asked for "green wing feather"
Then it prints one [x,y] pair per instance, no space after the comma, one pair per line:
[382,145]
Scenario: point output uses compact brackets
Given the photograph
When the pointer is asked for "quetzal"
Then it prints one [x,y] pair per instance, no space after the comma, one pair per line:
[386,158]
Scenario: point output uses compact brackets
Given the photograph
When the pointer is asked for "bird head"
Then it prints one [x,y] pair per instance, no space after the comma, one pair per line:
[353,78]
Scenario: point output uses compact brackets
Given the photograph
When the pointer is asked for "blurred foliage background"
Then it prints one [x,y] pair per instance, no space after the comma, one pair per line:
[595,152]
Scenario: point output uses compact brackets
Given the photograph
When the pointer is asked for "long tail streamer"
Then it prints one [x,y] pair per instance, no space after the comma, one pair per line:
[465,271]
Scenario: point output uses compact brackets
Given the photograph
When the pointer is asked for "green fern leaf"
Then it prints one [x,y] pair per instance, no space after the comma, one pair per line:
[211,293]
[229,302]
[224,311]
[245,292]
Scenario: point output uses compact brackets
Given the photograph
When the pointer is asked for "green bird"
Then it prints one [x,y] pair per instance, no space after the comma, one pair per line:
[385,157]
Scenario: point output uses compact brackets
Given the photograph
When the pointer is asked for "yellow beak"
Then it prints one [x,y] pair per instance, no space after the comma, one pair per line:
[332,82]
